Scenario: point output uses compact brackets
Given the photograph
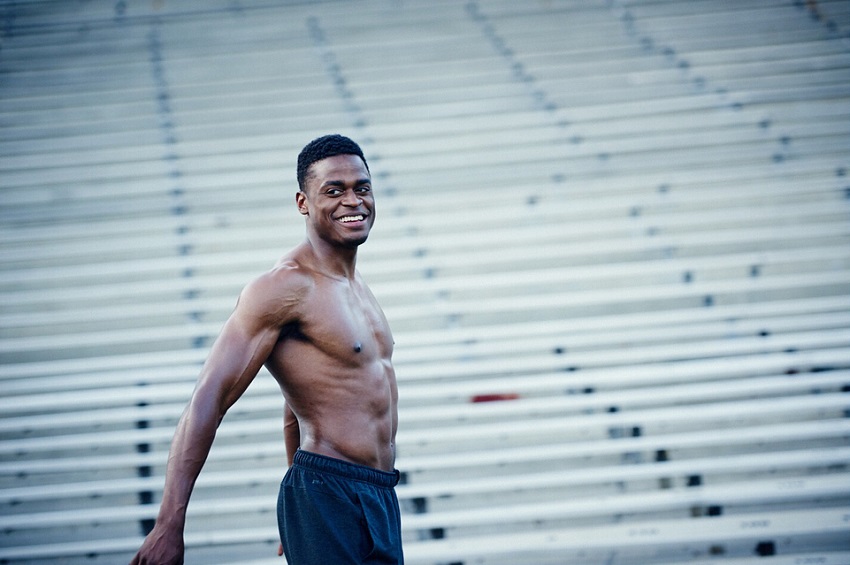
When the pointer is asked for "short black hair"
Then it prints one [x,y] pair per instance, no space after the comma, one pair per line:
[322,148]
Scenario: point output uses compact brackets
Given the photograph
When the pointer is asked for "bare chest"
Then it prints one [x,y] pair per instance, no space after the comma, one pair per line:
[345,322]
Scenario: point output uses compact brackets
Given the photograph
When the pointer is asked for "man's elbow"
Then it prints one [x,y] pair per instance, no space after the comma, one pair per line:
[208,405]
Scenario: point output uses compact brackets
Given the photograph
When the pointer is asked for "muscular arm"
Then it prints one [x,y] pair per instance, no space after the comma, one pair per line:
[291,434]
[244,344]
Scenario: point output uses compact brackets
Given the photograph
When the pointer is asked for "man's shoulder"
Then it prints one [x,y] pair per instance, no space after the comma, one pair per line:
[278,294]
[287,277]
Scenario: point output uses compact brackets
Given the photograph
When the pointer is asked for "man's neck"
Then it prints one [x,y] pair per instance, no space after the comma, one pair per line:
[335,262]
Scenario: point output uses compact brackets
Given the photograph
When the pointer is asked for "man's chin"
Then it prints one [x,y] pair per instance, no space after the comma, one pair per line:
[357,242]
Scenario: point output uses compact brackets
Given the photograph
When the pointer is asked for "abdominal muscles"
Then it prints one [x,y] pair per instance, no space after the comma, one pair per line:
[344,410]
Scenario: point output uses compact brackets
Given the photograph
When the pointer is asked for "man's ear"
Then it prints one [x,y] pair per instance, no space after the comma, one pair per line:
[301,202]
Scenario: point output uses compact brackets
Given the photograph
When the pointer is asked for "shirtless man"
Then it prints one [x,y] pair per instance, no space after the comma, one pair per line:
[315,325]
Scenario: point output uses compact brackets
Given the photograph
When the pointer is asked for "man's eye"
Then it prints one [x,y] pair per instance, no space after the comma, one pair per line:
[364,189]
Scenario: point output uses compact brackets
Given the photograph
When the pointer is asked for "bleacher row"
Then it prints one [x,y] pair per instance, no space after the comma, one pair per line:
[612,242]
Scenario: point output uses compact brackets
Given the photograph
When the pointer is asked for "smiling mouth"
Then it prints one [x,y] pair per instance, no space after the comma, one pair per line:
[354,218]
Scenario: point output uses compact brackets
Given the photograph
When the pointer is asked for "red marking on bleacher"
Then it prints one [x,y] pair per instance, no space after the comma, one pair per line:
[494,397]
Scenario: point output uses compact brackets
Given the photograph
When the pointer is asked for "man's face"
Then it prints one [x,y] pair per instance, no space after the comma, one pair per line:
[338,200]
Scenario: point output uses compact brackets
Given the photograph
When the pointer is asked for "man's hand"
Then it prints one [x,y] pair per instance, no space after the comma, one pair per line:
[161,548]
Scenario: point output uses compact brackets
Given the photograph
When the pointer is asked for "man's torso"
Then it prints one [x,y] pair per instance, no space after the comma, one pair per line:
[334,367]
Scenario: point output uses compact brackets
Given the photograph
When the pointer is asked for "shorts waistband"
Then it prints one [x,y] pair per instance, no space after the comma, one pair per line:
[345,469]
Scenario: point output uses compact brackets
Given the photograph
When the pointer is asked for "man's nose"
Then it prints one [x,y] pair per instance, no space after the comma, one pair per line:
[351,198]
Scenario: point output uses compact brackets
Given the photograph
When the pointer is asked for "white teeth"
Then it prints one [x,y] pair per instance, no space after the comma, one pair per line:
[351,218]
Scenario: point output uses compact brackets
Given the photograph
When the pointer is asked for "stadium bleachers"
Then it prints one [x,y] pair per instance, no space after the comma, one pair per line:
[612,243]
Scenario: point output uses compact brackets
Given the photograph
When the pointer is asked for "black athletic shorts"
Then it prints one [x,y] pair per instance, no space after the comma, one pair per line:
[331,511]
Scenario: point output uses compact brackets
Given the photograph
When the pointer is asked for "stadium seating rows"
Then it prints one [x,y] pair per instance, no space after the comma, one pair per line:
[612,243]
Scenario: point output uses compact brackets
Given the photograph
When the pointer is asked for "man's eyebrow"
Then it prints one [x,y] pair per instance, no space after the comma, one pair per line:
[342,183]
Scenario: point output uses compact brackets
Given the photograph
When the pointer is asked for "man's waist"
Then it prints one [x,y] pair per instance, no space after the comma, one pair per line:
[345,469]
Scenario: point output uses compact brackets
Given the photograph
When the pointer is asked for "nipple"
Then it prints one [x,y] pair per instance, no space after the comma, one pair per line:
[357,347]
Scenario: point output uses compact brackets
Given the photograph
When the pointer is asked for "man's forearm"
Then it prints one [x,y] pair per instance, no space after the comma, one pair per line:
[190,447]
[291,434]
